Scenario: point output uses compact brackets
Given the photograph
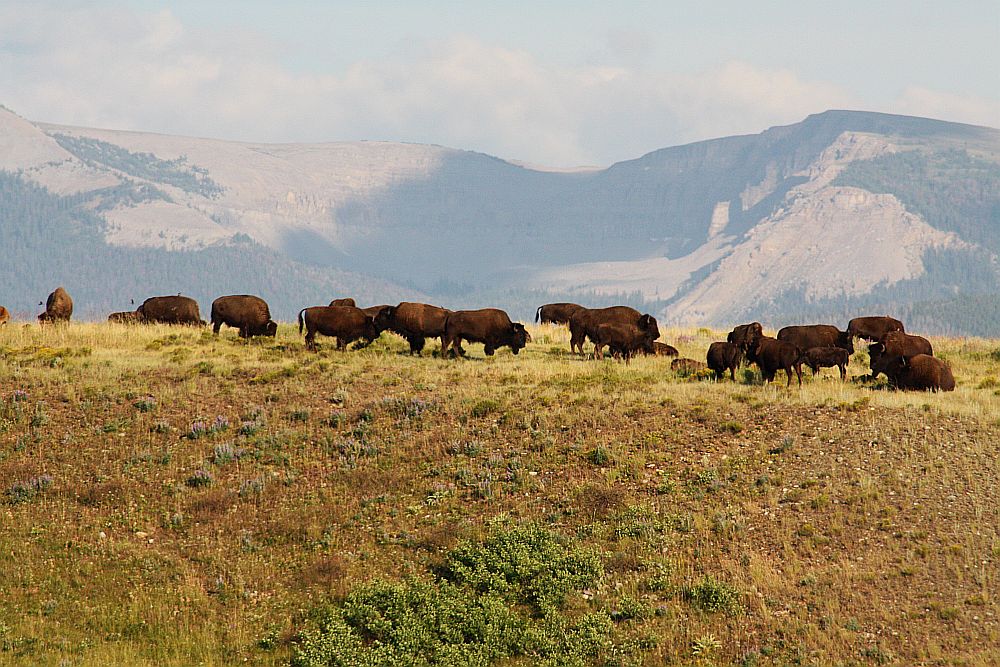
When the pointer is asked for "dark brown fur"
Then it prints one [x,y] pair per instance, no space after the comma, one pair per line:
[170,310]
[345,323]
[415,322]
[723,356]
[624,341]
[921,372]
[245,312]
[347,301]
[683,365]
[828,357]
[584,322]
[58,307]
[899,344]
[772,355]
[873,328]
[664,350]
[490,326]
[126,317]
[807,336]
[745,335]
[556,313]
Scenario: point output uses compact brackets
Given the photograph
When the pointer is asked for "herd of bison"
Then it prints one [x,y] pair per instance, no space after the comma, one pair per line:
[908,361]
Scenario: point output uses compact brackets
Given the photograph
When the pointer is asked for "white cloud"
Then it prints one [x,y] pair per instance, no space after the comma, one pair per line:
[118,68]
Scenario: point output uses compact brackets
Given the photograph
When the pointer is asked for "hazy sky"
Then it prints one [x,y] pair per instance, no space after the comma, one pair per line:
[555,83]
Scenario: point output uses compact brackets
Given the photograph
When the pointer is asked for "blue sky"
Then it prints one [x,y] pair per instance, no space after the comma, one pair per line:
[557,83]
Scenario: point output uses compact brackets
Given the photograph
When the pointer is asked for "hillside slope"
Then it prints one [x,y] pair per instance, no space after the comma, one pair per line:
[842,211]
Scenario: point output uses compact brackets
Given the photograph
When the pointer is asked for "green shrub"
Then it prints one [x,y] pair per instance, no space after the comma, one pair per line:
[712,595]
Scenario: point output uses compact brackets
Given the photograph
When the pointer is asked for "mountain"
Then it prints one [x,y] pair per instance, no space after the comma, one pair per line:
[844,212]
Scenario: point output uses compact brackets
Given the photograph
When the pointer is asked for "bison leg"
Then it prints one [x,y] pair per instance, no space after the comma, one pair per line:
[843,371]
[416,344]
[311,340]
[216,325]
[732,373]
[488,349]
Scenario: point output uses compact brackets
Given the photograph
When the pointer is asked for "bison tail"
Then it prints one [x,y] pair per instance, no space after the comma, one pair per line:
[300,320]
[538,314]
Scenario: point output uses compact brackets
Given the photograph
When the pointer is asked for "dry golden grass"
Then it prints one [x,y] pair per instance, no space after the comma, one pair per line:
[860,525]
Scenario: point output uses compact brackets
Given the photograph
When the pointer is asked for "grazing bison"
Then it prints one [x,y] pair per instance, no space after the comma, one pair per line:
[58,307]
[126,317]
[415,322]
[490,326]
[624,340]
[556,313]
[921,372]
[4,315]
[345,323]
[724,356]
[584,322]
[745,335]
[817,335]
[245,312]
[687,366]
[873,328]
[828,357]
[170,310]
[772,355]
[348,301]
[664,350]
[372,311]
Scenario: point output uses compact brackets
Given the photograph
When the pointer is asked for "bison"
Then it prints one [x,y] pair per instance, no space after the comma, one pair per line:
[58,307]
[687,366]
[817,335]
[772,355]
[873,328]
[556,313]
[745,335]
[895,344]
[170,310]
[624,340]
[828,357]
[348,301]
[245,312]
[584,322]
[372,311]
[490,326]
[125,317]
[664,350]
[345,323]
[415,322]
[724,356]
[920,372]
[4,315]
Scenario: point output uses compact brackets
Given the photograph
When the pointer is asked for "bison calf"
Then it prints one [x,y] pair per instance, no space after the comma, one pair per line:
[828,357]
[687,366]
[623,340]
[724,356]
[126,317]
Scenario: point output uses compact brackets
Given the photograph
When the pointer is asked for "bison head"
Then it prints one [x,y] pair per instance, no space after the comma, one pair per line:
[271,328]
[519,338]
[384,318]
[846,341]
[647,324]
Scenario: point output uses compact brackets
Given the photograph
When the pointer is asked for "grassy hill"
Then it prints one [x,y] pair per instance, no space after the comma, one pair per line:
[173,498]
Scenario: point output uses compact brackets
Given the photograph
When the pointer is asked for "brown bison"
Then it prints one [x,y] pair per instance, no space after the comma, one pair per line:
[817,335]
[772,355]
[490,326]
[828,357]
[921,372]
[899,344]
[125,317]
[664,350]
[687,366]
[624,341]
[170,310]
[556,313]
[745,335]
[348,301]
[245,312]
[372,311]
[345,323]
[58,307]
[415,322]
[873,328]
[4,315]
[584,322]
[724,356]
